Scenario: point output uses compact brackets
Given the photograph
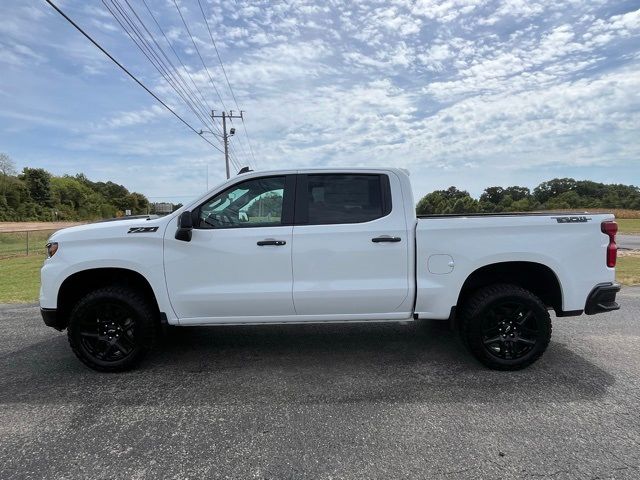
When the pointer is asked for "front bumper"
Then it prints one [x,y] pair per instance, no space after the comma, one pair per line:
[602,299]
[51,318]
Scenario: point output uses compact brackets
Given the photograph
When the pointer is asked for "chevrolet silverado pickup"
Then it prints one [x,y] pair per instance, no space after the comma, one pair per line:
[325,245]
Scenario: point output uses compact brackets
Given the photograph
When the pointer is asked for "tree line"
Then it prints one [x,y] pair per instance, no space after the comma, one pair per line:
[556,194]
[37,195]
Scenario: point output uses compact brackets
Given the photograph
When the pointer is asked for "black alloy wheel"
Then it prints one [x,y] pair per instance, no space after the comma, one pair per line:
[505,326]
[112,328]
[107,331]
[509,330]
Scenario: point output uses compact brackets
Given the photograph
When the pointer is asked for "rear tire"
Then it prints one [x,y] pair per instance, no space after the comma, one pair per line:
[505,327]
[111,329]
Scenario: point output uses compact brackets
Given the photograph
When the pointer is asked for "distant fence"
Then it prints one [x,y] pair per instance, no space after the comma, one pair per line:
[25,242]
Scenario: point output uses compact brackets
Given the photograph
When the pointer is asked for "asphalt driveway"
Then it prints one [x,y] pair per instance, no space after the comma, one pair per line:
[628,242]
[376,401]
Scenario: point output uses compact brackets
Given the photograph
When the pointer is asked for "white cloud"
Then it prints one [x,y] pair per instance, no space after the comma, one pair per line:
[136,117]
[574,123]
[434,57]
[445,11]
[604,31]
[18,55]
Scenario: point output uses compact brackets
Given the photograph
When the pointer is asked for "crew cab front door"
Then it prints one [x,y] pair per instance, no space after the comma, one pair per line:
[350,247]
[237,266]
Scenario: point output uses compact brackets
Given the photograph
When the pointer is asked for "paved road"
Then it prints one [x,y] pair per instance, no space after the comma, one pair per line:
[323,402]
[631,242]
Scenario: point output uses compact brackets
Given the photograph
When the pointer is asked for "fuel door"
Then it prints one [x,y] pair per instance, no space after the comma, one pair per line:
[440,264]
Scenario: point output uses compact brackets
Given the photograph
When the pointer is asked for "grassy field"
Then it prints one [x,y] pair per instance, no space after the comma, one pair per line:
[628,269]
[628,225]
[20,279]
[15,243]
[20,276]
[15,237]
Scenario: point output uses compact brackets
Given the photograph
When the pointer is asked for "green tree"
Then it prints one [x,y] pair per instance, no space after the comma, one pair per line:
[431,203]
[38,182]
[450,200]
[7,169]
[553,188]
[465,205]
[493,195]
[517,193]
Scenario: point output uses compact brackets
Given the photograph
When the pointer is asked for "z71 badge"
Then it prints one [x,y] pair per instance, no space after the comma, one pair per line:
[142,229]
[572,219]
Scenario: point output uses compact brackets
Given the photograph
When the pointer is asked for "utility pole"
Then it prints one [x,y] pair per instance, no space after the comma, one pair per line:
[225,135]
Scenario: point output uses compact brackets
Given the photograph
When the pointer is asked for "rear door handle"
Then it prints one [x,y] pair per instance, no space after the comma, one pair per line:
[271,241]
[385,238]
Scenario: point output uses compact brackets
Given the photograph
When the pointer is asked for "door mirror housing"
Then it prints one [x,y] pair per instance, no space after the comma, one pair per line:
[185,227]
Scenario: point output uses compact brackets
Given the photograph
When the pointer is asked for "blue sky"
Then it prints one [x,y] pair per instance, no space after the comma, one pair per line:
[470,93]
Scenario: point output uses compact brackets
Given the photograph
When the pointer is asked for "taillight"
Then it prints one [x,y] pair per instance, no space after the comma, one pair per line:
[610,228]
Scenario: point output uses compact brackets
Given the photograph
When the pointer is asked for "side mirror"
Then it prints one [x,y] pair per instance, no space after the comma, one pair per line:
[185,227]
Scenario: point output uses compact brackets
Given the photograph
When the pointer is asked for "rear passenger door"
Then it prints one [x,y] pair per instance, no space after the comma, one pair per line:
[350,246]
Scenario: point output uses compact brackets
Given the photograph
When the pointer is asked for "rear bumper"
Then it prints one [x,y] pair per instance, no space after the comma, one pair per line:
[602,299]
[51,318]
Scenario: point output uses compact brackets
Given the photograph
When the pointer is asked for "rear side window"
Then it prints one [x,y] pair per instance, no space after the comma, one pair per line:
[344,198]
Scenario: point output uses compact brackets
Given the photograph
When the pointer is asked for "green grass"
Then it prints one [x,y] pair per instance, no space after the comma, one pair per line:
[20,279]
[628,225]
[15,243]
[628,270]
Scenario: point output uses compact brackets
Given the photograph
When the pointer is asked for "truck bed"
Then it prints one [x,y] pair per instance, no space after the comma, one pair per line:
[449,248]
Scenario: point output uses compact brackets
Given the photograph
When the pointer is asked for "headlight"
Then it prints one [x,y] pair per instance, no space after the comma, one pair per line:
[52,248]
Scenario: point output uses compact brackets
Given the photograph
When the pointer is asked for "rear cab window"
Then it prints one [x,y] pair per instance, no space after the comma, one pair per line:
[324,199]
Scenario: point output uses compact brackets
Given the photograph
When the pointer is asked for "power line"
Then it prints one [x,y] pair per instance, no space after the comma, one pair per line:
[195,46]
[233,156]
[198,52]
[133,77]
[176,74]
[195,85]
[157,63]
[241,143]
[227,79]
[178,84]
[218,54]
[246,133]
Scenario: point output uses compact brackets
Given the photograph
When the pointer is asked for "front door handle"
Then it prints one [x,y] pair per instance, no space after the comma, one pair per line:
[385,238]
[271,241]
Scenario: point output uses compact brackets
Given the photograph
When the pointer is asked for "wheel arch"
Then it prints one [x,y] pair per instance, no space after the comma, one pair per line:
[80,283]
[536,277]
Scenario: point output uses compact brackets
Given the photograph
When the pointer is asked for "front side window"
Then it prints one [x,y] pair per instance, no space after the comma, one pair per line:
[254,203]
[341,198]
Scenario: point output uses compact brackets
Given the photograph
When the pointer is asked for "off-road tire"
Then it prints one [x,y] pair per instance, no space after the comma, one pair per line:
[478,311]
[142,335]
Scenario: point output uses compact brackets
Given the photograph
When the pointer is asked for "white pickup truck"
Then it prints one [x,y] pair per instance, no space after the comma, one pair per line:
[329,245]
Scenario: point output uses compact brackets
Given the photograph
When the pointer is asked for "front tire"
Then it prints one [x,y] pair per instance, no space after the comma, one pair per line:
[505,327]
[111,329]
